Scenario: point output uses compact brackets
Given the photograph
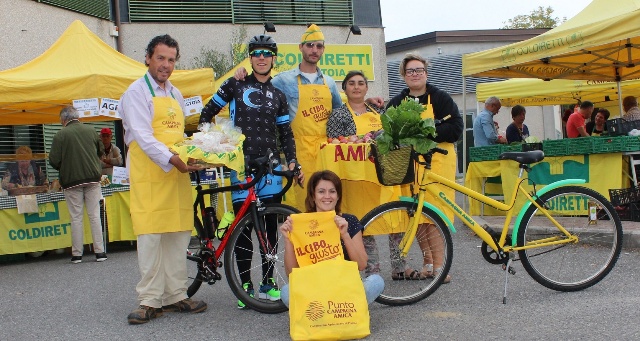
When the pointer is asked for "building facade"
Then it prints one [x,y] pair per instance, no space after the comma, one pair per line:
[31,26]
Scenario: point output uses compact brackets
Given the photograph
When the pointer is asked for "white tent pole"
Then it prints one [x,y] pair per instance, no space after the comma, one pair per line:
[464,136]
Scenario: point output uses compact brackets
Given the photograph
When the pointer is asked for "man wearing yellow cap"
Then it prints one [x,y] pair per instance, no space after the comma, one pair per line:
[311,96]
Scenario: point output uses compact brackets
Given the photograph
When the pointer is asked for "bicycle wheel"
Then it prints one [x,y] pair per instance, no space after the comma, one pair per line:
[573,266]
[384,227]
[237,252]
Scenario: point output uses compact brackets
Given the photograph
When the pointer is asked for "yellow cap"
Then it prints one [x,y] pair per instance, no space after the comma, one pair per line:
[312,33]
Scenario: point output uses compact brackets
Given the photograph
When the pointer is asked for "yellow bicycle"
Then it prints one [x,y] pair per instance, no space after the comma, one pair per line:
[567,236]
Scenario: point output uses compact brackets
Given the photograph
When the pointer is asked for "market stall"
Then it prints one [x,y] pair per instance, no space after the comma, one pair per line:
[79,65]
[601,172]
[599,44]
[602,161]
[50,227]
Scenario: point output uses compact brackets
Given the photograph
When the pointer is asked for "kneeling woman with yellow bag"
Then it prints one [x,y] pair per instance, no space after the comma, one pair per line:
[324,194]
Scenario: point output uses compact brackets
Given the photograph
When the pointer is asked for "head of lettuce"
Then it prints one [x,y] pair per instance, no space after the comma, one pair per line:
[403,126]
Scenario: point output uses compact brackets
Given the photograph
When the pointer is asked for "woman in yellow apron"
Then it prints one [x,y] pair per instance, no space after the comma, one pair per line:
[356,117]
[438,105]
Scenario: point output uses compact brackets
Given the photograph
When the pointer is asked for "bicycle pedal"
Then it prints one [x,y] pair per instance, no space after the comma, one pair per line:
[511,270]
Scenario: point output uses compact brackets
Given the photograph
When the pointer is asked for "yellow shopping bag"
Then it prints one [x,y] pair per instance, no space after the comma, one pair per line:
[327,302]
[315,237]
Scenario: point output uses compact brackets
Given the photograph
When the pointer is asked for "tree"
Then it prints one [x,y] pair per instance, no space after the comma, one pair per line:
[222,62]
[538,18]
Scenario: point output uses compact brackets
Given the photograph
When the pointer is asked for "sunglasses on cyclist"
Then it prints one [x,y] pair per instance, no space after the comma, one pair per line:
[265,53]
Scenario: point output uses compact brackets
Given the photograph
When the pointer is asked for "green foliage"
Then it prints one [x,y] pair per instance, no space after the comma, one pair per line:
[222,62]
[216,60]
[403,126]
[538,18]
[239,46]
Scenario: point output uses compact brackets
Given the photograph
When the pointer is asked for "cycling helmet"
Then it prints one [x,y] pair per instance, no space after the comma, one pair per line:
[263,41]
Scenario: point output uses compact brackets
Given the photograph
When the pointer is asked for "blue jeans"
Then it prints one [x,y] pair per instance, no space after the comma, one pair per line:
[373,287]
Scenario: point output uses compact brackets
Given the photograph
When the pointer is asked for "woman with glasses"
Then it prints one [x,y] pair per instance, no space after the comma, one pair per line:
[440,106]
[261,112]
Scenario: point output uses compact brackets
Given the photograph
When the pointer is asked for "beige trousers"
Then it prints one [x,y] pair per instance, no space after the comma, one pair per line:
[162,259]
[78,198]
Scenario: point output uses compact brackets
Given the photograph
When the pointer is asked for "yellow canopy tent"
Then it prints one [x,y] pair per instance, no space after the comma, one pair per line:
[78,65]
[531,92]
[602,42]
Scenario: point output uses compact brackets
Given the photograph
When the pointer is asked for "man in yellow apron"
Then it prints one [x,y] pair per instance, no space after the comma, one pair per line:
[311,96]
[161,201]
[438,105]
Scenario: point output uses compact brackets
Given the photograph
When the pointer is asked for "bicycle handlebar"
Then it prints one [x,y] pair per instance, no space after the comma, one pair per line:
[265,165]
[429,155]
[259,168]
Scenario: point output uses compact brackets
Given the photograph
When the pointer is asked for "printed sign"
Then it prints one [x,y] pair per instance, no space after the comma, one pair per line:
[120,176]
[336,61]
[87,107]
[193,105]
[109,107]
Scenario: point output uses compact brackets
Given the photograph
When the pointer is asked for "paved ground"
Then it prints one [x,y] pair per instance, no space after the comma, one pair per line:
[49,298]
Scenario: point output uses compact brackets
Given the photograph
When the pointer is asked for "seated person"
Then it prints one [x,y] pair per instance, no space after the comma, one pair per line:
[517,131]
[598,126]
[631,110]
[324,193]
[25,172]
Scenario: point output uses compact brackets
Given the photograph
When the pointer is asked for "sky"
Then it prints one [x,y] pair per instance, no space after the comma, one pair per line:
[407,18]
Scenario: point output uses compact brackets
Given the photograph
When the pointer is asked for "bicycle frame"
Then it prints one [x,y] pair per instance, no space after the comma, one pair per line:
[429,178]
[250,204]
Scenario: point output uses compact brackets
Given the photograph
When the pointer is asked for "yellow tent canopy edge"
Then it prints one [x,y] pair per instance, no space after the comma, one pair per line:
[78,65]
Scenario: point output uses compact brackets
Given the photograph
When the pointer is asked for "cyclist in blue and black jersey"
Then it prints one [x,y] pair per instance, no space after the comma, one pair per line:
[261,112]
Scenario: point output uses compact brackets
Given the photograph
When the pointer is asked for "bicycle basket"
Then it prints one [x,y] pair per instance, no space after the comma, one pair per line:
[396,167]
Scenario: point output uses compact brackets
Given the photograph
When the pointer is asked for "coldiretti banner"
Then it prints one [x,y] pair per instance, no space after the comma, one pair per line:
[336,60]
[48,229]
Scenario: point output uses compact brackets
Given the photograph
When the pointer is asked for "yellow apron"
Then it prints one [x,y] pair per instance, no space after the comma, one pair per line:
[360,197]
[443,165]
[161,201]
[367,121]
[309,130]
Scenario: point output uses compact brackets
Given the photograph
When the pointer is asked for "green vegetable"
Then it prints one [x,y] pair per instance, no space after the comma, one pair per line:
[531,139]
[402,126]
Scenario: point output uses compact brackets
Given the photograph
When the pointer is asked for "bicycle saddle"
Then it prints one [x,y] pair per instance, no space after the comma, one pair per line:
[523,157]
